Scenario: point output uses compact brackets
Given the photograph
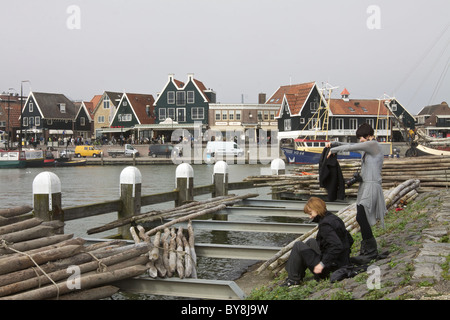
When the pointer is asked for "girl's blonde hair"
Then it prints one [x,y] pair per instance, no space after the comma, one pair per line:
[317,205]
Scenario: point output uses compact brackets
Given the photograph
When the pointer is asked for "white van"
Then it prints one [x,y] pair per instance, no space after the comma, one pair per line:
[223,148]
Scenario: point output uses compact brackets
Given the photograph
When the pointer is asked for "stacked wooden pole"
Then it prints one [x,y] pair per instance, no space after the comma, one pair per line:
[36,262]
[405,192]
[432,171]
[171,254]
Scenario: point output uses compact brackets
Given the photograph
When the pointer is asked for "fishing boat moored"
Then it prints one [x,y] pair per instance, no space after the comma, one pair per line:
[12,159]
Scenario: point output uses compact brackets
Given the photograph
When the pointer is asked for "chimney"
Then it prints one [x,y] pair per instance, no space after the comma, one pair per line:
[345,94]
[262,98]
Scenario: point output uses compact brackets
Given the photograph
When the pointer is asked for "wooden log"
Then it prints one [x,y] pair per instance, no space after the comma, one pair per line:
[19,226]
[180,254]
[35,243]
[6,213]
[172,251]
[188,263]
[193,254]
[134,235]
[152,271]
[186,218]
[91,294]
[39,231]
[23,262]
[165,243]
[154,253]
[57,275]
[86,282]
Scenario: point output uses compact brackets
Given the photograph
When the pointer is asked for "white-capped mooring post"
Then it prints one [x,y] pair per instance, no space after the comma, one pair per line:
[130,195]
[277,166]
[220,179]
[47,197]
[184,183]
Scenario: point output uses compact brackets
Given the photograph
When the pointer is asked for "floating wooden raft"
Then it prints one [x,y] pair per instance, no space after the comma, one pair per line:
[405,192]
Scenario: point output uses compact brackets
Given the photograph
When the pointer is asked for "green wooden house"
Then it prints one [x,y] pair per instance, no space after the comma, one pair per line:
[184,102]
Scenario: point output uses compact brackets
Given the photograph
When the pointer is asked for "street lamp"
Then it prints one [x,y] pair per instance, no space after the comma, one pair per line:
[21,115]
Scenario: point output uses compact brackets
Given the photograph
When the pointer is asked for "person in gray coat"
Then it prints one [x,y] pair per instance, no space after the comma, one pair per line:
[370,203]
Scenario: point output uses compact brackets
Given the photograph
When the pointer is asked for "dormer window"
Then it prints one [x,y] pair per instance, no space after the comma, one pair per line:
[62,107]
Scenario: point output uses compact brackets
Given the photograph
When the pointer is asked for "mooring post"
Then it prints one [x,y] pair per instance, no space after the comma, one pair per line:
[130,195]
[47,197]
[184,183]
[277,167]
[220,179]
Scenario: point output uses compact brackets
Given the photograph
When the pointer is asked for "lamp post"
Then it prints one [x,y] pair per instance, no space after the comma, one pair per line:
[21,114]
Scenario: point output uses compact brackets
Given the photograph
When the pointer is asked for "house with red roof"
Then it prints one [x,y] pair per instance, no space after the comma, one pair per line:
[133,109]
[306,113]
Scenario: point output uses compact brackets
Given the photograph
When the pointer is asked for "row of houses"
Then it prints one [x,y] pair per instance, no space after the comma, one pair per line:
[292,110]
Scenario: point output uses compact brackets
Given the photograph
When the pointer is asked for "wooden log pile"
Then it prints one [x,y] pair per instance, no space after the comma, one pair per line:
[404,192]
[432,171]
[38,262]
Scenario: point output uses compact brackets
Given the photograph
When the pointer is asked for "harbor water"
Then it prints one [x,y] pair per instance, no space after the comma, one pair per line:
[93,184]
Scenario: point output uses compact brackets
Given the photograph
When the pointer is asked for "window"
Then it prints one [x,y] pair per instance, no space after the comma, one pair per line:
[190,97]
[101,119]
[30,107]
[125,117]
[260,115]
[339,124]
[181,98]
[82,121]
[224,115]
[106,102]
[287,124]
[37,121]
[302,120]
[125,103]
[171,97]
[198,113]
[162,114]
[351,109]
[313,106]
[364,109]
[394,107]
[218,112]
[272,115]
[238,115]
[171,113]
[266,115]
[371,123]
[25,122]
[231,115]
[62,107]
[49,122]
[314,124]
[353,124]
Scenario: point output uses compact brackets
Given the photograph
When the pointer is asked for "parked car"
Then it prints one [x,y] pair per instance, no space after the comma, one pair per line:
[223,148]
[87,151]
[167,150]
[128,150]
[67,153]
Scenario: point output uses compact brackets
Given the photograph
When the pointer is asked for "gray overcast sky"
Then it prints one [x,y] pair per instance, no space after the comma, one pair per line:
[235,47]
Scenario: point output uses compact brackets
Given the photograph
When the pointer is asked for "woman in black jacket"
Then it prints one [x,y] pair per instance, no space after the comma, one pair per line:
[329,251]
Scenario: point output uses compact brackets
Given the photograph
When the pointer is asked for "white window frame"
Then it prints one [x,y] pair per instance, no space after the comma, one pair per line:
[181,98]
[162,114]
[171,97]
[190,97]
[106,102]
[218,115]
[82,121]
[238,115]
[30,107]
[183,111]
[101,119]
[25,121]
[339,122]
[287,125]
[198,113]
[353,124]
[171,113]
[37,121]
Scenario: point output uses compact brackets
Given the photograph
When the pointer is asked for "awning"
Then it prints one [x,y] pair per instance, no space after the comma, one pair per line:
[168,126]
[54,131]
[113,130]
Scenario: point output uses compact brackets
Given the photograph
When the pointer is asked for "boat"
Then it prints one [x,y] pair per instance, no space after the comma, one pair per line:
[12,159]
[34,158]
[49,160]
[67,162]
[307,151]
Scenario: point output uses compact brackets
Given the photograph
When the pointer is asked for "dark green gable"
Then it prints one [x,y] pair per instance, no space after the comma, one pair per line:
[183,103]
[125,116]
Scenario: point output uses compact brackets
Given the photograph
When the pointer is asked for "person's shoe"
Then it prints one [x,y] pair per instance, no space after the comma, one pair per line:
[368,252]
[290,283]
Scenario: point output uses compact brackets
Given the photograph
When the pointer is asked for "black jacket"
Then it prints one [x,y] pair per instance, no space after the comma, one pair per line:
[330,176]
[334,241]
